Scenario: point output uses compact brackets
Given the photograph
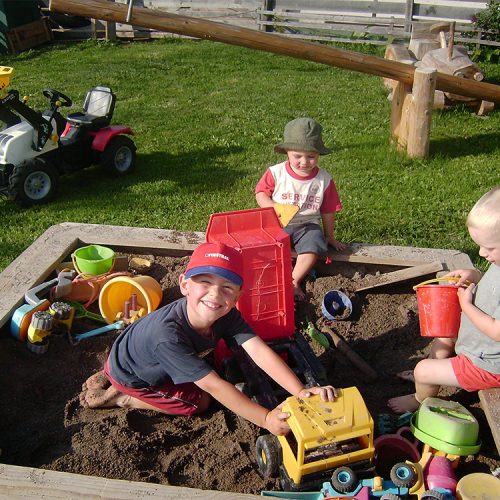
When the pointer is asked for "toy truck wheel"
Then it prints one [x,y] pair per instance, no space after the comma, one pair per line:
[390,496]
[33,182]
[119,156]
[403,475]
[268,452]
[344,480]
[434,495]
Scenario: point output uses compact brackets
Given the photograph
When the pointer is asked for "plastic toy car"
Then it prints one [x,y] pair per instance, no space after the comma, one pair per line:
[324,436]
[36,148]
[345,484]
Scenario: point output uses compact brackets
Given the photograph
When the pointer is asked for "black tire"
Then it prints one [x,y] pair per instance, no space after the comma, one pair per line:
[403,475]
[33,182]
[119,156]
[268,451]
[434,494]
[390,496]
[344,480]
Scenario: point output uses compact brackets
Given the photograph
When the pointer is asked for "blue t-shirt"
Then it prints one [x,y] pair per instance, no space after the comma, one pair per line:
[162,347]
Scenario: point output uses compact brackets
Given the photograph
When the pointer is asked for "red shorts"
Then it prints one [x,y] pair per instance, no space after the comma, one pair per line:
[470,377]
[176,399]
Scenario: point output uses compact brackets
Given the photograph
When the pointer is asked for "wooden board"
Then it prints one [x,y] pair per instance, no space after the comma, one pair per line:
[490,403]
[403,275]
[31,483]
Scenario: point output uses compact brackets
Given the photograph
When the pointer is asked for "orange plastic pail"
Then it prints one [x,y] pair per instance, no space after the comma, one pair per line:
[438,310]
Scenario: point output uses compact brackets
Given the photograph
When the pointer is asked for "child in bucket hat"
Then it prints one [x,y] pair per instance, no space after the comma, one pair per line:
[299,181]
[159,362]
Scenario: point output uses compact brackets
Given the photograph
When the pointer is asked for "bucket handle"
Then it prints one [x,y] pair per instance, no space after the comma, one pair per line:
[435,280]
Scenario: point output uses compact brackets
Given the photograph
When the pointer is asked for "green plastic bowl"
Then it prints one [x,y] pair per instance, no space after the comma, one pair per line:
[446,426]
[94,259]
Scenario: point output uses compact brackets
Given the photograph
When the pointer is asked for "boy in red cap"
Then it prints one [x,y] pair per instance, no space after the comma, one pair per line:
[158,363]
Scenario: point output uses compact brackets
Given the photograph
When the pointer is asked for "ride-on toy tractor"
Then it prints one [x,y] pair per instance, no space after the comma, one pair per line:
[37,147]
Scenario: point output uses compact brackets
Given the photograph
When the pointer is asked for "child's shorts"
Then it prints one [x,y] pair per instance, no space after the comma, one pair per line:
[470,377]
[180,399]
[307,238]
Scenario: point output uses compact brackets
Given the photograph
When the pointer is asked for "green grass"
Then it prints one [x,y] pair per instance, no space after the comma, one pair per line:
[206,117]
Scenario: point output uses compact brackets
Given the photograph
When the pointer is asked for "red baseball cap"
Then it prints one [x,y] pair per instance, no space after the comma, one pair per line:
[216,258]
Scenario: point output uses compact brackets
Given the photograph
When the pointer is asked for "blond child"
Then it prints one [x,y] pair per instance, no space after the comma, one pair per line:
[158,363]
[299,181]
[476,363]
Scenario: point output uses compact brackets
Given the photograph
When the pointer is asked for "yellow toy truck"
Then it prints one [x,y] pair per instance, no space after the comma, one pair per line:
[324,436]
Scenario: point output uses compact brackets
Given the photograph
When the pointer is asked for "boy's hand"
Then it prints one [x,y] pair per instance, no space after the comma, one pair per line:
[464,275]
[327,392]
[465,295]
[338,245]
[276,421]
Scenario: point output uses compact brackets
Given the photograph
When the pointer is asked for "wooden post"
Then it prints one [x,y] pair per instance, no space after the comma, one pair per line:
[420,118]
[110,27]
[408,15]
[399,114]
[266,5]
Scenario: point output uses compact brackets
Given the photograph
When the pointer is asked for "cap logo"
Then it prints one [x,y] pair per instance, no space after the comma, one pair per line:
[217,256]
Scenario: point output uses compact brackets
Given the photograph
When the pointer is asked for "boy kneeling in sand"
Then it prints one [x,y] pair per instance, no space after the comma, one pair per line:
[158,363]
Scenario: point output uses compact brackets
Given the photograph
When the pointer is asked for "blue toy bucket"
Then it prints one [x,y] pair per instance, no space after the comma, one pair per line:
[336,305]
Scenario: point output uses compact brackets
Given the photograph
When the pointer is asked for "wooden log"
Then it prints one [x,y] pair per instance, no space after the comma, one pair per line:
[352,356]
[420,118]
[199,28]
[402,275]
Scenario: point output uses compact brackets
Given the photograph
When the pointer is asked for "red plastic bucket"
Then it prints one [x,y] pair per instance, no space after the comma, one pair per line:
[438,309]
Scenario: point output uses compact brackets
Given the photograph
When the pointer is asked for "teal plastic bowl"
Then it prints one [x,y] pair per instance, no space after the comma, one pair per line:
[93,259]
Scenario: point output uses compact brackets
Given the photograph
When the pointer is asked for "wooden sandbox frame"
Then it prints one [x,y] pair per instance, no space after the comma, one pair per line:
[43,256]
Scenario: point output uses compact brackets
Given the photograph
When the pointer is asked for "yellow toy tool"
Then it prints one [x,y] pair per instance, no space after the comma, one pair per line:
[285,213]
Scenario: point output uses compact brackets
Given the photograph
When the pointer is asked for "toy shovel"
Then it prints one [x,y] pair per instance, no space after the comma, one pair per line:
[75,339]
[317,336]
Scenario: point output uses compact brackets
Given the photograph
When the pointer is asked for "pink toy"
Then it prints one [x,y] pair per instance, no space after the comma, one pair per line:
[439,473]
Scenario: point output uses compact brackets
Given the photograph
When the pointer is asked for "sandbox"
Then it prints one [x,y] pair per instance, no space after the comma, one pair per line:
[54,438]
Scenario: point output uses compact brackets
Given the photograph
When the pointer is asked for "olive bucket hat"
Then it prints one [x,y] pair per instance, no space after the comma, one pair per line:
[303,134]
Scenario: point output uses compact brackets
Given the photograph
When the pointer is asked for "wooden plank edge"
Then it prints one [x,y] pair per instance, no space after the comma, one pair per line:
[403,275]
[32,483]
[490,403]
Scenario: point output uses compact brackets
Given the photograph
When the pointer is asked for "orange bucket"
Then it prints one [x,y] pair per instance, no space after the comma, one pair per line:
[438,309]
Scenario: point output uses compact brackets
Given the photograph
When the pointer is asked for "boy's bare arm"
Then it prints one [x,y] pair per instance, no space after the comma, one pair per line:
[279,371]
[487,324]
[236,401]
[328,221]
[263,200]
[464,275]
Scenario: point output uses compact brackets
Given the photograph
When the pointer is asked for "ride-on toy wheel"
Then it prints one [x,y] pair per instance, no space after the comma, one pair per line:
[33,182]
[268,452]
[119,156]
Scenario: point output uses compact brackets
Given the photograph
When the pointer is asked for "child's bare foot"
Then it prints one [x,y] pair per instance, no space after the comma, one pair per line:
[402,404]
[298,293]
[96,381]
[406,375]
[102,398]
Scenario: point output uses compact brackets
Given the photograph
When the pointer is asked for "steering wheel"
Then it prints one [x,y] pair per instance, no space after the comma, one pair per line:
[55,95]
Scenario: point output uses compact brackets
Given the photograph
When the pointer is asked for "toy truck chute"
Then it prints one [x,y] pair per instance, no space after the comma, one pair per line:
[324,436]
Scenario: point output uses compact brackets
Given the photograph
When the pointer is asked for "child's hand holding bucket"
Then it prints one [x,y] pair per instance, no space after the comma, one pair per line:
[466,294]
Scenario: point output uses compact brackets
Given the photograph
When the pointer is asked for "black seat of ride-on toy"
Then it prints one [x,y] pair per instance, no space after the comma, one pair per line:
[97,109]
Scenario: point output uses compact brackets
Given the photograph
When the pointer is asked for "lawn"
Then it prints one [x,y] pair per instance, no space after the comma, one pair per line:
[206,117]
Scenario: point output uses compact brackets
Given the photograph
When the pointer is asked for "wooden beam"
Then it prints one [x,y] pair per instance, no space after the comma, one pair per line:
[402,275]
[234,35]
[31,483]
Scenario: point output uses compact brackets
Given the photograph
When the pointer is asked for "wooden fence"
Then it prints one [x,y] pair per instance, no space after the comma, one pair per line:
[367,21]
